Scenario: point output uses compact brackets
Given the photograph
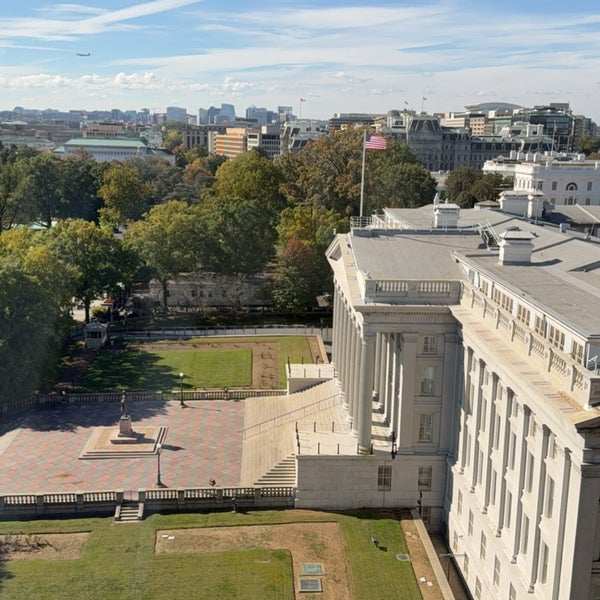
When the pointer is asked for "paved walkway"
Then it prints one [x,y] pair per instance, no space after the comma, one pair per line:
[203,442]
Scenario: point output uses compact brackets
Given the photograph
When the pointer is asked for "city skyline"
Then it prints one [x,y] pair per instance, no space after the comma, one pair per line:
[338,56]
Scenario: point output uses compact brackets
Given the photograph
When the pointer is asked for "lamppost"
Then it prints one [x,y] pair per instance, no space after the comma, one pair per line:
[158,449]
[393,440]
[449,556]
[181,390]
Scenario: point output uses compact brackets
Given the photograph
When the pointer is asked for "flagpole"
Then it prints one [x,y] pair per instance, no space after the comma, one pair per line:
[362,175]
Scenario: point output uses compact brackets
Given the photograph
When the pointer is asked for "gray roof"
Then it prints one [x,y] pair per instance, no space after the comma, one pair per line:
[562,278]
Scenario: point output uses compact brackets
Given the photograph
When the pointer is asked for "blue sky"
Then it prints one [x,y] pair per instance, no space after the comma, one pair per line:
[340,56]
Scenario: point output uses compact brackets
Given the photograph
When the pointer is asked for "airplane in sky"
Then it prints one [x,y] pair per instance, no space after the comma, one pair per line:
[84,54]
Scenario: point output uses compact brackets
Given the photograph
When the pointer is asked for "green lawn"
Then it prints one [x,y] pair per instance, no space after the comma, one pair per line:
[149,369]
[119,561]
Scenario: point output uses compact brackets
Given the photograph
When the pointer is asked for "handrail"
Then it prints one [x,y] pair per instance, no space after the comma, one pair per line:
[294,412]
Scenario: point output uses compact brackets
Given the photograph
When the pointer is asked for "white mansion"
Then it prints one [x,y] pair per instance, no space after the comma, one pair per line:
[559,180]
[466,344]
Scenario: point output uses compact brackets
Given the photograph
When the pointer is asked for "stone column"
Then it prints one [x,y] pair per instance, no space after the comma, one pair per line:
[365,401]
[449,386]
[381,373]
[377,366]
[564,500]
[490,443]
[356,381]
[407,393]
[394,384]
[335,338]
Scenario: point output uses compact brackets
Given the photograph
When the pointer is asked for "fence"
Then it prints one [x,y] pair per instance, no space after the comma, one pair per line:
[102,503]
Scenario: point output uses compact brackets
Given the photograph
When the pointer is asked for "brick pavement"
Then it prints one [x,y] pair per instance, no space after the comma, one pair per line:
[203,442]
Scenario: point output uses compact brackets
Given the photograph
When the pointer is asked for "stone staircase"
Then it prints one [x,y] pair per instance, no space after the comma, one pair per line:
[129,512]
[282,474]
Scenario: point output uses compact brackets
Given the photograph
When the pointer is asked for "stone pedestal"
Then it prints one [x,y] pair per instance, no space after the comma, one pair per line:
[126,433]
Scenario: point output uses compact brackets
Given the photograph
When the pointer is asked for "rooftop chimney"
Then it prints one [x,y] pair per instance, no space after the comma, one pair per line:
[516,247]
[445,216]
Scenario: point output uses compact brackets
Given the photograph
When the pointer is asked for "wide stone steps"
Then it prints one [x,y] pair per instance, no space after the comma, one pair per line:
[282,474]
[129,512]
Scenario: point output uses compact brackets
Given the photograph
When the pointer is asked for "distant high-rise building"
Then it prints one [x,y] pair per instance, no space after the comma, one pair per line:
[176,114]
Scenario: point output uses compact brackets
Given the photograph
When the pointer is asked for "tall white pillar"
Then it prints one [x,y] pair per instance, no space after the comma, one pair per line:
[407,393]
[365,401]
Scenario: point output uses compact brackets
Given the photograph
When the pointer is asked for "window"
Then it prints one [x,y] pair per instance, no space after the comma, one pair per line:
[589,186]
[459,501]
[477,588]
[466,566]
[427,381]
[556,337]
[540,326]
[512,593]
[482,547]
[425,477]
[497,432]
[523,314]
[384,478]
[496,572]
[425,427]
[577,352]
[544,563]
[512,449]
[525,534]
[506,302]
[508,509]
[470,523]
[571,187]
[493,488]
[529,472]
[484,286]
[429,344]
[554,185]
[549,497]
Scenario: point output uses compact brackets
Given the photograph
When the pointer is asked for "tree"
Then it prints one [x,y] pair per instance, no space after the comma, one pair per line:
[40,189]
[239,235]
[466,186]
[124,193]
[91,259]
[588,145]
[32,300]
[166,241]
[80,176]
[293,285]
[403,185]
[328,172]
[250,176]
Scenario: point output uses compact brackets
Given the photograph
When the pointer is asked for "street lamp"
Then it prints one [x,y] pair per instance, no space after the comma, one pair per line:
[393,440]
[449,556]
[181,390]
[158,449]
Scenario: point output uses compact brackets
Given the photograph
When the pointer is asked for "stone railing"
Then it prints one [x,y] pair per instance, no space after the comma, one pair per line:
[155,500]
[399,291]
[20,406]
[583,382]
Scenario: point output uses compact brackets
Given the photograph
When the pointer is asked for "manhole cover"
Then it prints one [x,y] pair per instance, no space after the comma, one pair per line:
[310,585]
[403,557]
[312,569]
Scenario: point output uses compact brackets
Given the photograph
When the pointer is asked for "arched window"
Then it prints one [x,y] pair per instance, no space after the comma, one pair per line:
[571,187]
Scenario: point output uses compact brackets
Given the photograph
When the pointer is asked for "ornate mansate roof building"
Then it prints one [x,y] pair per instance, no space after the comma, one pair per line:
[466,344]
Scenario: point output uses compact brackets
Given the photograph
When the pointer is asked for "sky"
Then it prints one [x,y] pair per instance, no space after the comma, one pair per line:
[339,56]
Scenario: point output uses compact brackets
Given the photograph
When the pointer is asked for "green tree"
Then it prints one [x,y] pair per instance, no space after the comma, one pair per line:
[588,145]
[32,308]
[125,195]
[80,176]
[239,235]
[466,186]
[166,241]
[403,185]
[293,283]
[250,176]
[91,258]
[40,188]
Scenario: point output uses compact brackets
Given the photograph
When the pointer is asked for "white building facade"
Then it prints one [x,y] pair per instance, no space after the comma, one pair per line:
[467,356]
[563,182]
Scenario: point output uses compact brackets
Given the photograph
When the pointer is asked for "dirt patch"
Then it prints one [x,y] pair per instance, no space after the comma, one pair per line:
[47,546]
[308,543]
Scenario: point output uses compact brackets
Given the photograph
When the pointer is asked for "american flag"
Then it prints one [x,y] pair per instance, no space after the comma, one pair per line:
[375,142]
